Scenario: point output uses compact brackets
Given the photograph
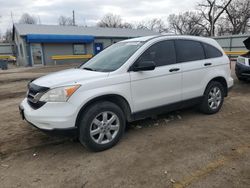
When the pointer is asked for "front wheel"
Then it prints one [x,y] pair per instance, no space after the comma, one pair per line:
[213,98]
[101,126]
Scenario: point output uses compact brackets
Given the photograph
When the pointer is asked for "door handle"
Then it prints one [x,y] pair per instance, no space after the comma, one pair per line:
[174,70]
[207,64]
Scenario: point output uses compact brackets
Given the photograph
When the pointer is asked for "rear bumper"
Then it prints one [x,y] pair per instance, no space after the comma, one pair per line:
[242,71]
[230,84]
[230,88]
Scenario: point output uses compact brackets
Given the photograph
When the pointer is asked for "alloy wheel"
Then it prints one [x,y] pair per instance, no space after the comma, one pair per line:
[214,98]
[104,127]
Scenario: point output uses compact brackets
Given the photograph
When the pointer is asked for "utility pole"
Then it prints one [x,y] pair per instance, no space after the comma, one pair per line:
[213,15]
[12,19]
[74,23]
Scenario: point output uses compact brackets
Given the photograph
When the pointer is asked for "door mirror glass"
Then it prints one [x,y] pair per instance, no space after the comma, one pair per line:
[144,66]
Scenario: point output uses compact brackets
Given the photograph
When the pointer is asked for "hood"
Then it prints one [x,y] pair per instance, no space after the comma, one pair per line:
[247,43]
[68,77]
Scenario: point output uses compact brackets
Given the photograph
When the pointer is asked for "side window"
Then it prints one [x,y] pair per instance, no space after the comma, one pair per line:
[162,53]
[211,52]
[188,50]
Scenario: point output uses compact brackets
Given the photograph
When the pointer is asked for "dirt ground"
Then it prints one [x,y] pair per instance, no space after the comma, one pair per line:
[180,149]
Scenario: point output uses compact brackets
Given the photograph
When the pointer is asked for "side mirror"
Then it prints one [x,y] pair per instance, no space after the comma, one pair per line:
[143,66]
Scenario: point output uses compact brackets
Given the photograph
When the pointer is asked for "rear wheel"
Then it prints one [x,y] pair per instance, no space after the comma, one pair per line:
[213,98]
[101,126]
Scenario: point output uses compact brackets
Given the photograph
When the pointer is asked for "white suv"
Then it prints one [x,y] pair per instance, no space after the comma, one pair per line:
[129,80]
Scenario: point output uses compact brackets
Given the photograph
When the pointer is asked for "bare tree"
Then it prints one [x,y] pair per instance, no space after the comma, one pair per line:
[238,14]
[211,12]
[110,20]
[154,24]
[224,27]
[28,19]
[248,26]
[127,25]
[113,21]
[188,23]
[62,20]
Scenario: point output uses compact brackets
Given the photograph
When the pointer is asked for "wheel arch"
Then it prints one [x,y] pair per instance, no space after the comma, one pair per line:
[221,80]
[114,98]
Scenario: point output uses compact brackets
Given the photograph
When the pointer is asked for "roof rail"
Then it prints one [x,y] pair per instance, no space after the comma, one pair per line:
[162,35]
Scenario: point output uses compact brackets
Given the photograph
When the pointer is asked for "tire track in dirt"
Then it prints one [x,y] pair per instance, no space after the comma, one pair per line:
[4,96]
[17,80]
[6,154]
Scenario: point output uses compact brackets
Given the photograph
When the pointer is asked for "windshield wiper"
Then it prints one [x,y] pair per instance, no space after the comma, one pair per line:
[90,69]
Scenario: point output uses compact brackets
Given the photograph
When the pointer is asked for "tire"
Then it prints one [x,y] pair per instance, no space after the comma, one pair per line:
[106,121]
[211,102]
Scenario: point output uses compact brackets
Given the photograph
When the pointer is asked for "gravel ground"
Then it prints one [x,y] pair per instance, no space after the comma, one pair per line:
[180,149]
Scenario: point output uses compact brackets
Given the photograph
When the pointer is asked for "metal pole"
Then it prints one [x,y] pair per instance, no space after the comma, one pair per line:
[74,23]
[213,14]
[12,19]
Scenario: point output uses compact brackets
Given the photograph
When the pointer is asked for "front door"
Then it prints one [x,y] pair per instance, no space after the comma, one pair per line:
[37,54]
[98,47]
[161,86]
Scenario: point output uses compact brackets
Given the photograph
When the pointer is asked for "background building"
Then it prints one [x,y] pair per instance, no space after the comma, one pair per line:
[6,49]
[38,44]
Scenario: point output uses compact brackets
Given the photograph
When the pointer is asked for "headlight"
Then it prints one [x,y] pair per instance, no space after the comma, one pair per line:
[60,94]
[241,60]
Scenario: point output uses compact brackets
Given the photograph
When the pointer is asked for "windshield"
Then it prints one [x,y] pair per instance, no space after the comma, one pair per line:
[112,57]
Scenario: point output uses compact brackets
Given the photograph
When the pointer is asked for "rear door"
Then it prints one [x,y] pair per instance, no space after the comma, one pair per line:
[161,86]
[192,57]
[198,60]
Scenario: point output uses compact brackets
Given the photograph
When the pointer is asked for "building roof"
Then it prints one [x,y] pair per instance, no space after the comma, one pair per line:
[33,38]
[25,29]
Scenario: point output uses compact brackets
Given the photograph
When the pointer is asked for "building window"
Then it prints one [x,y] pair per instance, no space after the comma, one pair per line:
[79,49]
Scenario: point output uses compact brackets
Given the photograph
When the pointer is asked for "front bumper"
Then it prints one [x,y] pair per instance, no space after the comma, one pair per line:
[242,71]
[53,118]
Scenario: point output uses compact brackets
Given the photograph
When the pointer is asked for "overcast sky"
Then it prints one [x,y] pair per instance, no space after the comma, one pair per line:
[88,12]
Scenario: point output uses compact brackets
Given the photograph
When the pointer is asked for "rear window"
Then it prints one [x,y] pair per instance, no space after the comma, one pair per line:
[211,52]
[188,50]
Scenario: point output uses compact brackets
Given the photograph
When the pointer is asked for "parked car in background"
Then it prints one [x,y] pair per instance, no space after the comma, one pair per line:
[242,67]
[129,80]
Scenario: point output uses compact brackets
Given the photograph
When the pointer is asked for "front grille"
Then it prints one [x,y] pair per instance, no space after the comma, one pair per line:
[33,92]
